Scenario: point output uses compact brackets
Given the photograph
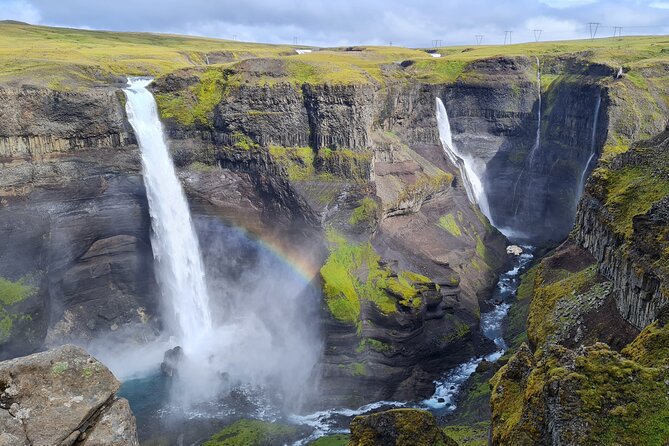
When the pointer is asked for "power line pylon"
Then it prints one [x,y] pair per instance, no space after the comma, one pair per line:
[507,36]
[537,34]
[617,31]
[594,26]
[479,39]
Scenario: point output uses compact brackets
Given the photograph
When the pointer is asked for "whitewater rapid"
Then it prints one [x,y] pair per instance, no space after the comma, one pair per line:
[179,265]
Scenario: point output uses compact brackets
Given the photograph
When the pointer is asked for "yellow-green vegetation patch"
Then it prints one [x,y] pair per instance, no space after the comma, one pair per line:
[651,347]
[618,401]
[630,191]
[346,163]
[199,166]
[474,435]
[541,321]
[623,401]
[352,273]
[297,161]
[195,104]
[365,213]
[58,368]
[438,70]
[516,324]
[11,292]
[331,440]
[373,344]
[253,433]
[243,142]
[448,223]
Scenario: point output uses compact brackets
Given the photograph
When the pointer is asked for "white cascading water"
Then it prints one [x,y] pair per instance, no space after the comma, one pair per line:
[535,146]
[174,242]
[471,173]
[593,151]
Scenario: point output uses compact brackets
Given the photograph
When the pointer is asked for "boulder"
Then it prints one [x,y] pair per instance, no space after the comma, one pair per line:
[398,427]
[61,397]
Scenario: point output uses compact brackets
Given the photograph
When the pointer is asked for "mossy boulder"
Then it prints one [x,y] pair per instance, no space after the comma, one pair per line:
[398,427]
[589,396]
[253,433]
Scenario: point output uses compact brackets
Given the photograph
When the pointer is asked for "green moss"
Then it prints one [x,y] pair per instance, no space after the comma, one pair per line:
[629,192]
[405,426]
[358,369]
[331,440]
[11,293]
[374,344]
[243,142]
[59,368]
[297,161]
[474,435]
[352,273]
[448,223]
[541,321]
[651,347]
[481,250]
[253,433]
[365,213]
[14,292]
[201,167]
[195,105]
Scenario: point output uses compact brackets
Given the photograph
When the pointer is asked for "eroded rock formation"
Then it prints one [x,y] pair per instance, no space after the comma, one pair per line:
[62,397]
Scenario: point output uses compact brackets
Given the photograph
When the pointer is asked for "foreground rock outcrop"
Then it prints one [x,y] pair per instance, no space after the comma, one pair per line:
[398,427]
[62,397]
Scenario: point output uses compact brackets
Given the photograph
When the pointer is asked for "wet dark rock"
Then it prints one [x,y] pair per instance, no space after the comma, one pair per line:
[171,360]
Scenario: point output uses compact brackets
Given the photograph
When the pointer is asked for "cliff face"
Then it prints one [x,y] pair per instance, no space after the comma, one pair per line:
[291,160]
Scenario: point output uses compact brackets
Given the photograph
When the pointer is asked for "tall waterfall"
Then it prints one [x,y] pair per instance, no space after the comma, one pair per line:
[535,147]
[593,148]
[471,173]
[175,246]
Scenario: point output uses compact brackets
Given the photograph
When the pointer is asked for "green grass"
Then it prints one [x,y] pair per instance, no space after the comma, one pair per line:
[331,440]
[65,59]
[252,433]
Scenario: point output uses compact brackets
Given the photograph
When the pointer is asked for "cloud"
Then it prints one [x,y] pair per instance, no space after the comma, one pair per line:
[351,22]
[660,5]
[19,10]
[563,4]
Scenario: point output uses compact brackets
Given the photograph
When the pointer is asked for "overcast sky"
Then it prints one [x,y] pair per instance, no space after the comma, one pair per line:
[340,22]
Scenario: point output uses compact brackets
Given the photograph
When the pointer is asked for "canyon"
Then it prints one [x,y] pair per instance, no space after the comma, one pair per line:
[345,175]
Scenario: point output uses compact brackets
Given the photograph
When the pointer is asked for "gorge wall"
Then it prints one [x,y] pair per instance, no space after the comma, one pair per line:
[596,321]
[363,160]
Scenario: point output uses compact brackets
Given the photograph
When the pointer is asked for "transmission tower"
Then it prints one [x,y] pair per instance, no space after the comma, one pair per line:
[295,40]
[537,34]
[234,37]
[594,26]
[617,31]
[436,43]
[479,39]
[507,36]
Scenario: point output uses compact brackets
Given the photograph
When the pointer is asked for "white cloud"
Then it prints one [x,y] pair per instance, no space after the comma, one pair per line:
[660,5]
[564,4]
[19,10]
